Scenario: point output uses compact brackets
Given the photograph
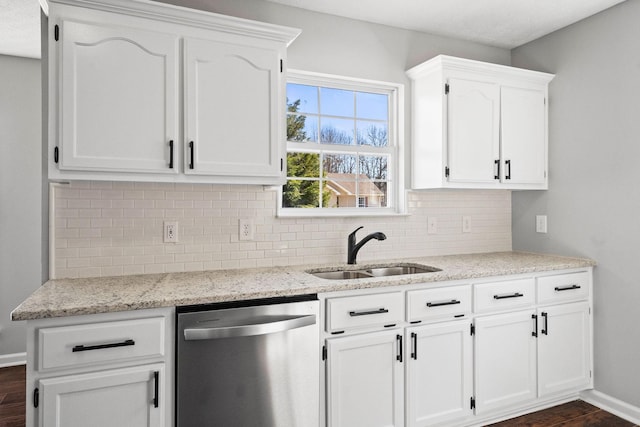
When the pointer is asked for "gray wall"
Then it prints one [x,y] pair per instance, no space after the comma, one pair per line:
[335,45]
[593,202]
[20,193]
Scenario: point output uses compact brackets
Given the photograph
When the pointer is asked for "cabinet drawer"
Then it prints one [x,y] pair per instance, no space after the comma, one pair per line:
[364,311]
[504,295]
[446,302]
[563,287]
[96,343]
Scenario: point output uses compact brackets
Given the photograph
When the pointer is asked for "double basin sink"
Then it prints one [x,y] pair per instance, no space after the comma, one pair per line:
[373,271]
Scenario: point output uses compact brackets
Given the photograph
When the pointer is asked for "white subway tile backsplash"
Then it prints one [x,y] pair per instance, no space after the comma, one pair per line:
[116,228]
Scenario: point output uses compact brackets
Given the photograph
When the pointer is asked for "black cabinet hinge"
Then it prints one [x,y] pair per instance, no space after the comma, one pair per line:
[36,398]
[446,171]
[281,65]
[473,402]
[56,33]
[281,164]
[472,329]
[446,88]
[56,154]
[324,352]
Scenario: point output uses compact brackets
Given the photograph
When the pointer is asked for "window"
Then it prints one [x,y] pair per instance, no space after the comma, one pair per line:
[343,147]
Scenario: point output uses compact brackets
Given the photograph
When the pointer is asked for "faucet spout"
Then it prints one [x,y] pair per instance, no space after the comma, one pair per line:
[353,247]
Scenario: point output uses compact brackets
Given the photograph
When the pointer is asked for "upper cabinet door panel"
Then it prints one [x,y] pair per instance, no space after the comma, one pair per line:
[118,95]
[232,105]
[524,136]
[473,130]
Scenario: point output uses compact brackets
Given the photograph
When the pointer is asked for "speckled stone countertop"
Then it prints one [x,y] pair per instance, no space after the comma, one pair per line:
[69,297]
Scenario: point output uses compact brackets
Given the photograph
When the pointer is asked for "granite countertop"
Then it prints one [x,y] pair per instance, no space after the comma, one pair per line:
[69,297]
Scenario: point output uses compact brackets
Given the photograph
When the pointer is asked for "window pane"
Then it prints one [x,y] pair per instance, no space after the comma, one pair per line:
[372,106]
[303,165]
[372,133]
[336,102]
[336,131]
[301,194]
[374,167]
[343,166]
[342,190]
[302,98]
[302,128]
[376,194]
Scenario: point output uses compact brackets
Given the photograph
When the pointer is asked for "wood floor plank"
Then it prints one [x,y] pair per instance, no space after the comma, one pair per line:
[596,419]
[551,416]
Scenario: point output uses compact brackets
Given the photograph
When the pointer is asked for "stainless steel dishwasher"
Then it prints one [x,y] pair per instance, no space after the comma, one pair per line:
[248,364]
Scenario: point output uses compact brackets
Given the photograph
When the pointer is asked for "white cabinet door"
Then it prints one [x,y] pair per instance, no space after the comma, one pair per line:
[127,397]
[439,373]
[232,109]
[118,99]
[563,348]
[523,135]
[473,131]
[505,358]
[365,380]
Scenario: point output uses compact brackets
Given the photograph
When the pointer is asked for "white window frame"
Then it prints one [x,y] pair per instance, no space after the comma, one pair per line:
[395,134]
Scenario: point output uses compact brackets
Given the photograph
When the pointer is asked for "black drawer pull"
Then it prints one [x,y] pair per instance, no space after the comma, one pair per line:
[191,155]
[368,312]
[438,304]
[101,346]
[567,288]
[171,154]
[156,389]
[514,295]
[545,327]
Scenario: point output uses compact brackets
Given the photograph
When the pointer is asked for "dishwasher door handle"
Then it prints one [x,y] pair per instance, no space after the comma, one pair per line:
[264,325]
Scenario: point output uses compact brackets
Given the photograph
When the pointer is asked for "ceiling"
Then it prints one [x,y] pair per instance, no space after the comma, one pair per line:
[501,23]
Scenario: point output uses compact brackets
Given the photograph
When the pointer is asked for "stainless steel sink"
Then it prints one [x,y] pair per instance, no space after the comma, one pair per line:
[399,270]
[373,271]
[341,274]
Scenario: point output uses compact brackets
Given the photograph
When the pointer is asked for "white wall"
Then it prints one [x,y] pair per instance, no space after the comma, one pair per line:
[593,201]
[20,185]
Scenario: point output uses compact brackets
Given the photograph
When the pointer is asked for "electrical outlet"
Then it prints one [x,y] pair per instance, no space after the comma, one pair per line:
[170,231]
[432,225]
[541,223]
[466,224]
[246,229]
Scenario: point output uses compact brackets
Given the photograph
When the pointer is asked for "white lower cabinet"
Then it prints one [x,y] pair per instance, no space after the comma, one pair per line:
[365,380]
[127,397]
[466,353]
[505,356]
[564,348]
[101,370]
[439,373]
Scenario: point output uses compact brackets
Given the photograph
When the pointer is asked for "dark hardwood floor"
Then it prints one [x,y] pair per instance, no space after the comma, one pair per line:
[572,414]
[12,396]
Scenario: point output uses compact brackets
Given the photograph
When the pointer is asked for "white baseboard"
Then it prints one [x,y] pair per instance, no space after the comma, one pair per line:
[611,404]
[14,359]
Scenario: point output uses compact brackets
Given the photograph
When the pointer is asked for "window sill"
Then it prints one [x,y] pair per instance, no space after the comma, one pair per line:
[336,213]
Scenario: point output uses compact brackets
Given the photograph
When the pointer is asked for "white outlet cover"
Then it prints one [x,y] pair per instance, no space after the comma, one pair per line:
[170,232]
[432,225]
[246,229]
[541,223]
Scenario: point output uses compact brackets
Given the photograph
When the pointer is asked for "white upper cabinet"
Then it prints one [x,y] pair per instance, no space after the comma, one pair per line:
[232,102]
[142,91]
[119,98]
[478,125]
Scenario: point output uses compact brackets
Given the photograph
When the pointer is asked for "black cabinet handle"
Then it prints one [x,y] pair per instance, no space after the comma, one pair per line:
[171,154]
[514,295]
[156,388]
[399,341]
[497,167]
[191,154]
[507,165]
[368,312]
[414,346]
[102,346]
[439,304]
[535,327]
[545,327]
[566,288]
